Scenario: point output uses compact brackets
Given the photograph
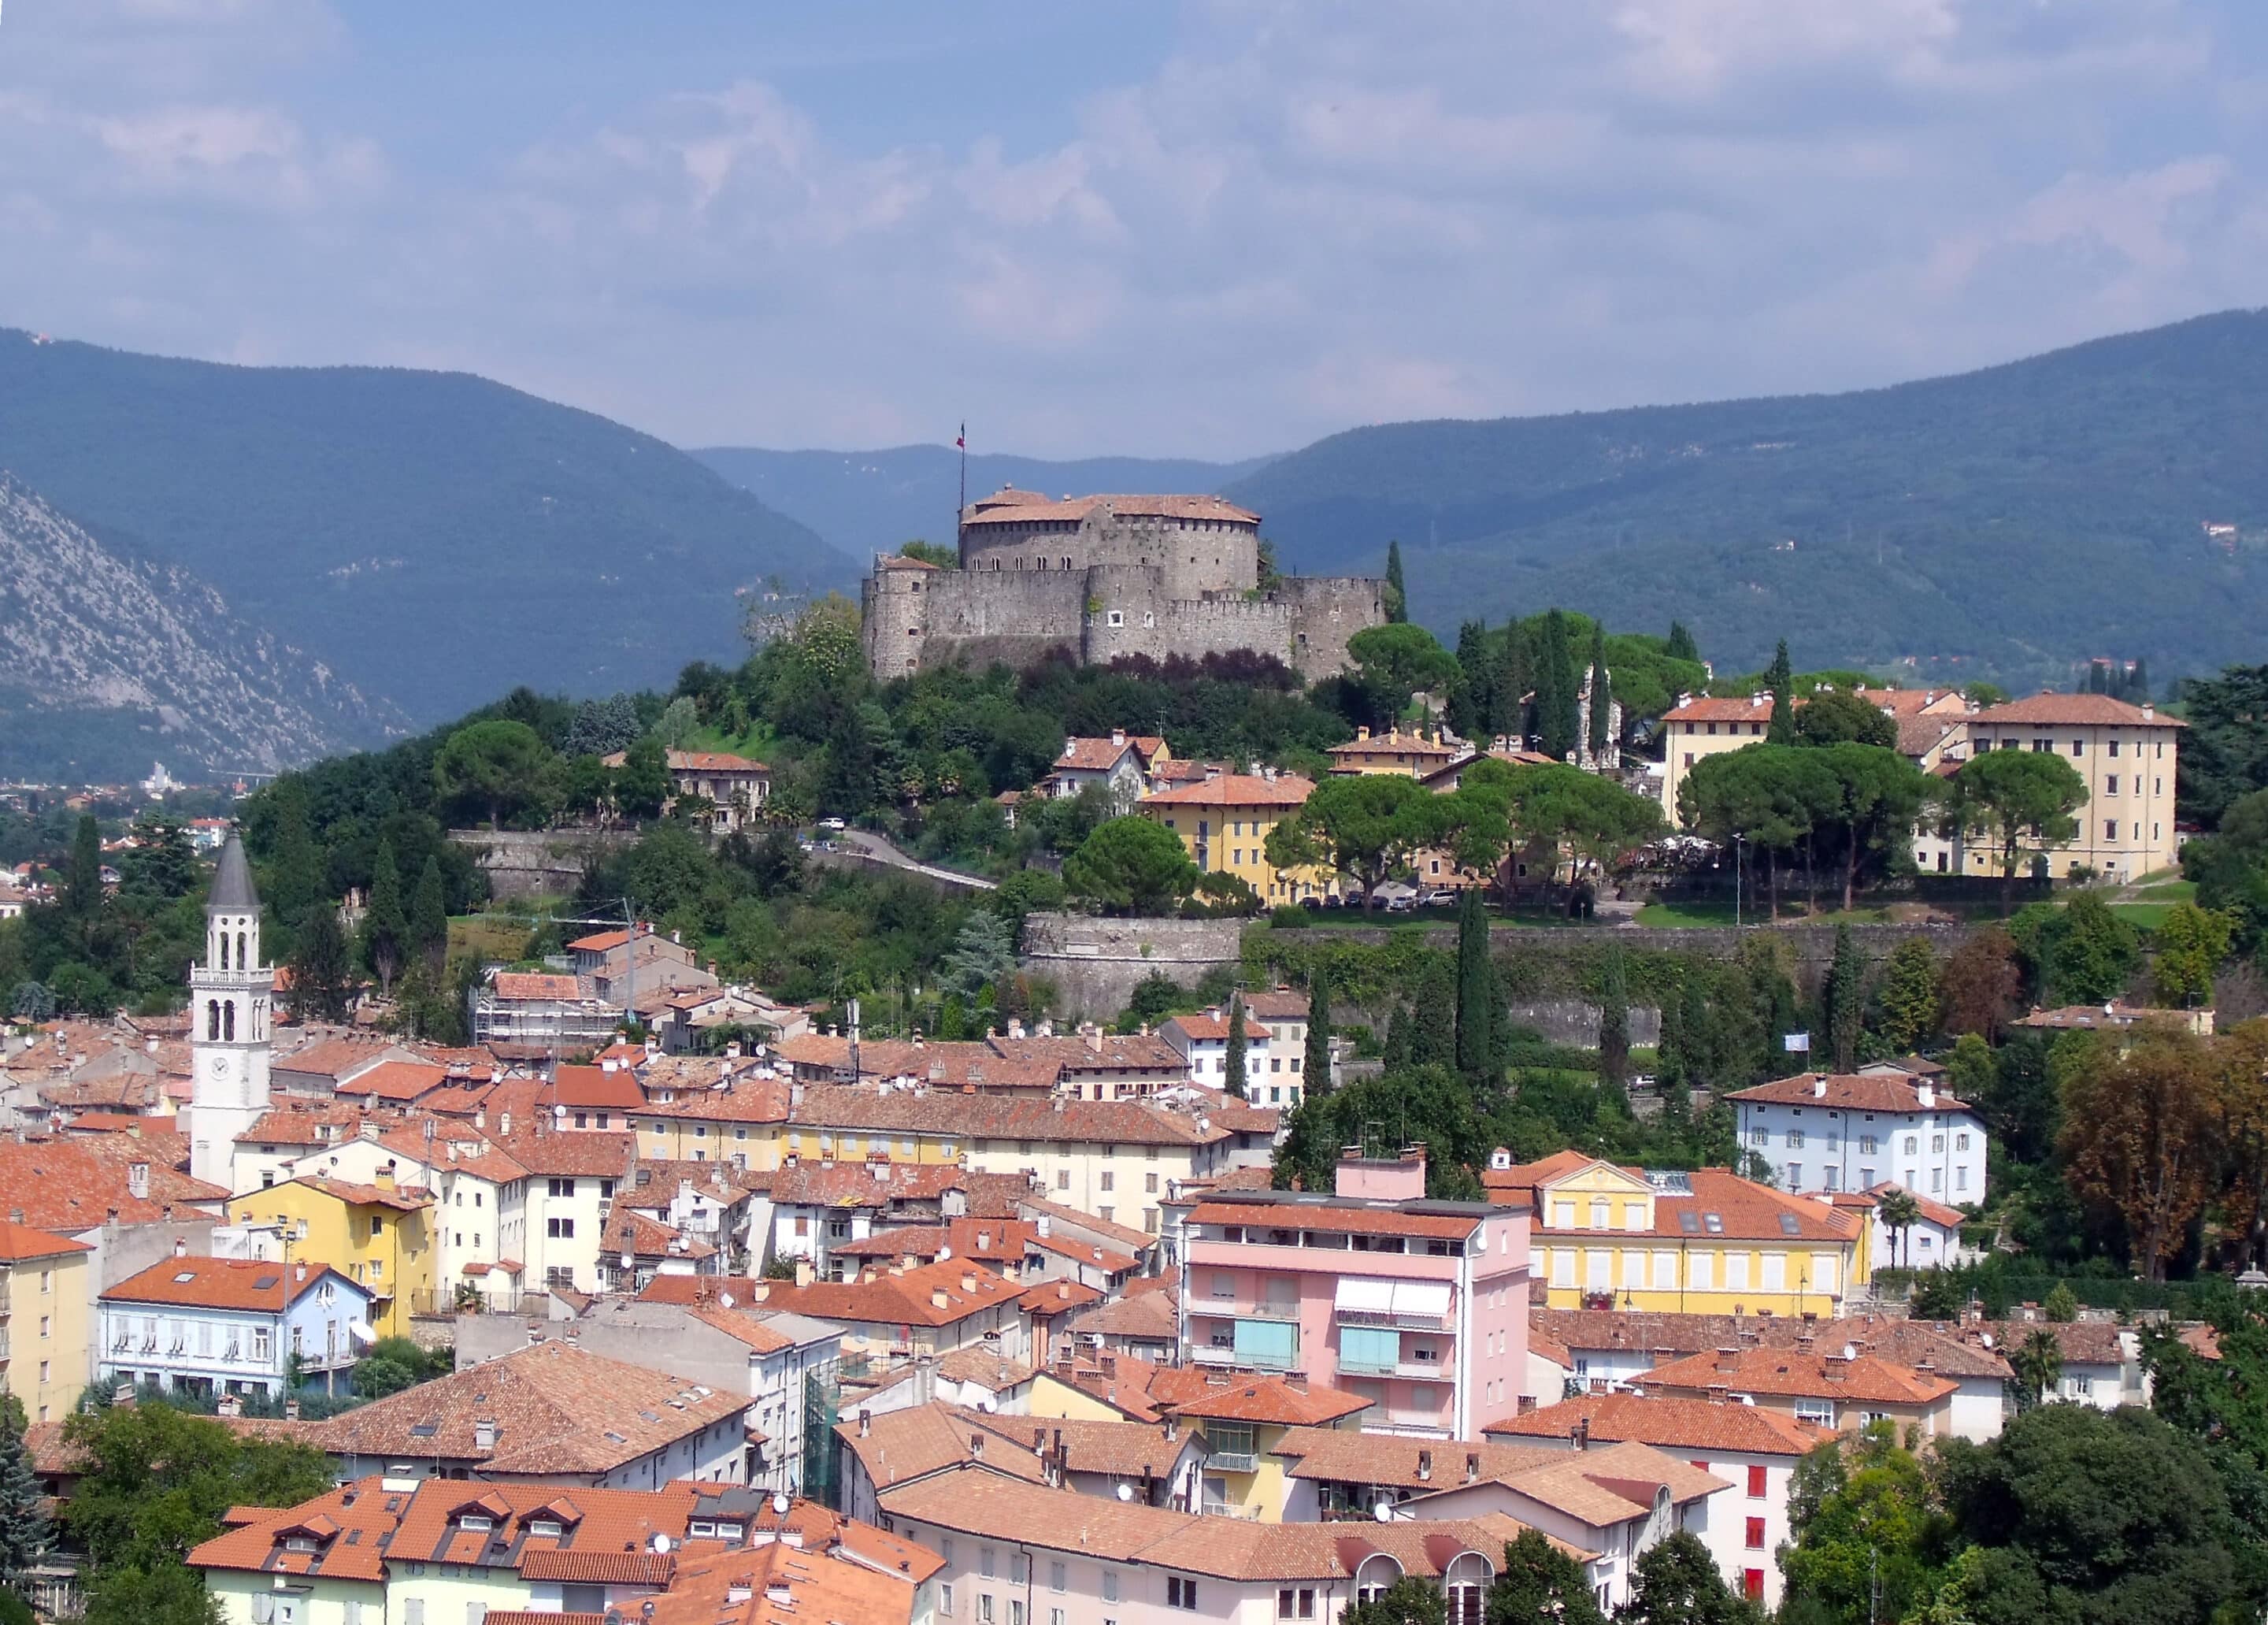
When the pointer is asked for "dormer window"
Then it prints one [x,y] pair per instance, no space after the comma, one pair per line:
[475,1523]
[542,1528]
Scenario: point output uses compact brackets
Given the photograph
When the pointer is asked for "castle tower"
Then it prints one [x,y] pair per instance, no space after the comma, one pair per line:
[231,995]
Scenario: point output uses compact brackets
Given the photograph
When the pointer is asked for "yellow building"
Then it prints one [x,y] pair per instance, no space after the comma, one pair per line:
[1707,726]
[1222,821]
[1244,1424]
[1413,755]
[378,1235]
[1705,1242]
[2125,753]
[45,1304]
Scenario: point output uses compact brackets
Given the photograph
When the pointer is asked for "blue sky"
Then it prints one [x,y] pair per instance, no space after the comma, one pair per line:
[1210,229]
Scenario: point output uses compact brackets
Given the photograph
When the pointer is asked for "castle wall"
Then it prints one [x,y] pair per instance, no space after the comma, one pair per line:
[971,618]
[1198,555]
[1326,611]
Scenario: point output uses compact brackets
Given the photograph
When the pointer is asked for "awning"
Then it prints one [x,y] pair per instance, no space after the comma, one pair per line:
[1430,1298]
[1364,1294]
[360,1332]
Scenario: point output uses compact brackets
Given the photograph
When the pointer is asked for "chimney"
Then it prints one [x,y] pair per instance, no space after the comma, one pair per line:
[137,1180]
[937,1299]
[1472,1466]
[291,1410]
[1581,1436]
[1527,1404]
[1928,1096]
[484,1434]
[181,1243]
[1818,1086]
[1424,1466]
[976,1445]
[803,1272]
[301,1269]
[229,1406]
[1836,1368]
[866,1421]
[1728,1359]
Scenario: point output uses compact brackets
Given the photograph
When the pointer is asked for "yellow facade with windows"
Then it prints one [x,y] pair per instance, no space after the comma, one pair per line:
[47,1295]
[1700,1243]
[1224,822]
[379,1237]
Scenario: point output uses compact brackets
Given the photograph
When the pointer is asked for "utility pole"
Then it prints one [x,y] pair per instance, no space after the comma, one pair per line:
[630,962]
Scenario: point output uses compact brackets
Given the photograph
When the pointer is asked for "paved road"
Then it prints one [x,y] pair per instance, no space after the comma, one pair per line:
[881,851]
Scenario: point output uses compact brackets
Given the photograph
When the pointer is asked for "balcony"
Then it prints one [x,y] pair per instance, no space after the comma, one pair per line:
[1228,1309]
[1233,1461]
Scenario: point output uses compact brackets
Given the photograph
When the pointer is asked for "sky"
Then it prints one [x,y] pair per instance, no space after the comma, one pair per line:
[1218,229]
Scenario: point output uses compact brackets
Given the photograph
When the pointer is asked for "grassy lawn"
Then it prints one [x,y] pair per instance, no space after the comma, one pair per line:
[758,743]
[488,937]
[1672,914]
[2144,916]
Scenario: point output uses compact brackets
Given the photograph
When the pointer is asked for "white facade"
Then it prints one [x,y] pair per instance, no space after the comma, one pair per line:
[1823,1149]
[231,996]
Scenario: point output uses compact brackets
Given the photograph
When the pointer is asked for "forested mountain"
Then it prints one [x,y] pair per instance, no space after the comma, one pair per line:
[873,501]
[108,663]
[433,537]
[2110,499]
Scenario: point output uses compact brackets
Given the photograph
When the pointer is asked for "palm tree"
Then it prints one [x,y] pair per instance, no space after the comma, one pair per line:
[1900,1212]
[2035,1366]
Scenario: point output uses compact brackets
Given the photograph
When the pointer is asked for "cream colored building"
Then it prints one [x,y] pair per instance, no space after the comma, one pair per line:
[2125,753]
[47,1293]
[1696,729]
[1222,821]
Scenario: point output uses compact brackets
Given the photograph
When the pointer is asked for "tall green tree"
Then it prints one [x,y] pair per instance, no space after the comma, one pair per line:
[984,952]
[1366,826]
[1866,1518]
[1394,662]
[1397,593]
[1681,645]
[1233,1081]
[1557,700]
[428,915]
[83,895]
[322,971]
[1780,683]
[2189,945]
[1602,718]
[1879,795]
[494,766]
[25,1533]
[1411,1600]
[2034,1368]
[1475,988]
[1540,1581]
[1315,1065]
[2023,800]
[1843,1001]
[1912,996]
[385,943]
[1614,1019]
[1677,1582]
[1899,1211]
[1472,693]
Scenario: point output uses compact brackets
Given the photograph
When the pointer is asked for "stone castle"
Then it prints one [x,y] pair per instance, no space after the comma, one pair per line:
[1096,578]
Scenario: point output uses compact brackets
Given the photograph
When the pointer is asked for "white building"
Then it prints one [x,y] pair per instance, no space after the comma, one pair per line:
[1828,1132]
[230,998]
[1201,1041]
[219,1326]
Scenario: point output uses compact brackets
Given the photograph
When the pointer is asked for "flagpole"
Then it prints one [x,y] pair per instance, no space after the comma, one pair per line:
[960,440]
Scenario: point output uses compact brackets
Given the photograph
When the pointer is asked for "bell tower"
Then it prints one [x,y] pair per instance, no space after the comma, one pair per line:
[231,996]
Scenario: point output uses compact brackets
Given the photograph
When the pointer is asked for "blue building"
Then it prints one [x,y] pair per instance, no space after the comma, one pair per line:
[217,1326]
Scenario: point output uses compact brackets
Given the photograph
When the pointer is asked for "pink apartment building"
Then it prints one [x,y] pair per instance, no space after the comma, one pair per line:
[1416,1306]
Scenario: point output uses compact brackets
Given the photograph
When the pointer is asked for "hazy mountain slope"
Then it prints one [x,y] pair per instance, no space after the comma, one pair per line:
[107,664]
[2003,521]
[434,537]
[873,501]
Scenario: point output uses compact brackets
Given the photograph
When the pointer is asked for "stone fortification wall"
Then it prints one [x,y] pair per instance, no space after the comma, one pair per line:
[918,620]
[1575,1022]
[1096,964]
[530,863]
[1197,556]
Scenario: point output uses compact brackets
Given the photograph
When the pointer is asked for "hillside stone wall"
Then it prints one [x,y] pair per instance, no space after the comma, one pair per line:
[526,863]
[1096,964]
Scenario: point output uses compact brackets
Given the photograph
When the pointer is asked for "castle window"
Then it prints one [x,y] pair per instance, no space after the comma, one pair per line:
[243,962]
[228,1020]
[212,1018]
[995,564]
[1066,561]
[1118,617]
[1043,564]
[224,950]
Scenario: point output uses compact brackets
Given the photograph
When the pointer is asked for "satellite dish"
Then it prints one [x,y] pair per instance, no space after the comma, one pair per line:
[661,1545]
[725,1298]
[780,1505]
[1383,1511]
[987,1404]
[1126,1492]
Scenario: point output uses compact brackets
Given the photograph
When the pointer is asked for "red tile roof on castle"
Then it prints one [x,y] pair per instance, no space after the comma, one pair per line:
[2074,711]
[1849,1091]
[1020,508]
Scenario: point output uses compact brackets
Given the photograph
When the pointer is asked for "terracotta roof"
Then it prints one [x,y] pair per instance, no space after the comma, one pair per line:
[302,1123]
[1850,1092]
[226,1283]
[1668,1424]
[1085,1253]
[1018,507]
[875,1183]
[950,1064]
[574,1086]
[744,1291]
[1918,735]
[164,1151]
[602,1153]
[1661,1335]
[2088,1017]
[1236,790]
[628,1231]
[2073,711]
[1393,743]
[401,1198]
[741,1326]
[931,1295]
[1277,1004]
[1348,1218]
[1147,1317]
[1107,1052]
[713,762]
[399,1081]
[899,561]
[1001,1117]
[780,1584]
[1732,708]
[1931,1212]
[602,941]
[1795,1373]
[898,1447]
[1271,1400]
[20,1242]
[348,1528]
[1205,1025]
[1721,1204]
[1126,1236]
[537,984]
[557,1410]
[61,1185]
[334,1058]
[983,1371]
[1097,1527]
[605,1536]
[1607,1484]
[1134,1387]
[1097,756]
[1060,1297]
[1128,1450]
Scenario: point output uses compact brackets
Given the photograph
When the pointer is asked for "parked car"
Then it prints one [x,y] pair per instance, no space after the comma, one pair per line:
[1441,897]
[832,826]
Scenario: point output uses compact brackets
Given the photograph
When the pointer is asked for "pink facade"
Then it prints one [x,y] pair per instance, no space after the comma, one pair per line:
[1421,1307]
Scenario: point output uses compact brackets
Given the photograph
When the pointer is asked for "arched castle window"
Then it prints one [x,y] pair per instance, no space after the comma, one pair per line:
[224,950]
[242,964]
[1066,561]
[1044,562]
[212,1018]
[995,564]
[228,1021]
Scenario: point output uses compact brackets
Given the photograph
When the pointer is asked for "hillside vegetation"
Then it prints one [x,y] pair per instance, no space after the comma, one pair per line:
[434,537]
[2002,524]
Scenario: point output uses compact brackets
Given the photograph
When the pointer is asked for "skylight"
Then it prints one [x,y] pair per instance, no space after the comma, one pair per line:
[1789,1226]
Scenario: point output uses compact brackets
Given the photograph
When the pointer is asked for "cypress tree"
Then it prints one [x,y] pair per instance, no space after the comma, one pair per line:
[1670,1067]
[1397,591]
[428,915]
[2137,683]
[1433,1021]
[1557,727]
[82,886]
[1779,681]
[1234,1079]
[1843,1003]
[1602,695]
[1316,1064]
[1401,1040]
[322,975]
[1472,697]
[1614,1020]
[295,871]
[1475,988]
[1681,644]
[1514,672]
[385,927]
